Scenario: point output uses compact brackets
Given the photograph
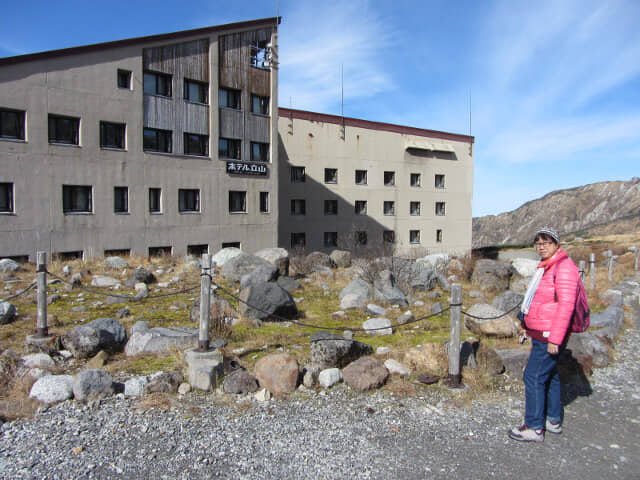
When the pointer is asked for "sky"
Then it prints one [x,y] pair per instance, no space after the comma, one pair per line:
[549,89]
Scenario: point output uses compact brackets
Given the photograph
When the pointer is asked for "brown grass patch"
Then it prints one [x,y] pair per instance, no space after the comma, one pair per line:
[158,401]
[400,386]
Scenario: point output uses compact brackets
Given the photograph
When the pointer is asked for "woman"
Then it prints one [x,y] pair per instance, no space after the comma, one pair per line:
[546,312]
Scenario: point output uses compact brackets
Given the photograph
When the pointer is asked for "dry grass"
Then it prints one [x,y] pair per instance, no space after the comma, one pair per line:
[157,401]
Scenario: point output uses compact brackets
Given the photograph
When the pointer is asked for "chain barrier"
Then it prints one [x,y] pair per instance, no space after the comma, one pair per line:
[30,287]
[492,318]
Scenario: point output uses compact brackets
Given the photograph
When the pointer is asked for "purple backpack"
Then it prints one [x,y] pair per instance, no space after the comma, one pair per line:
[581,315]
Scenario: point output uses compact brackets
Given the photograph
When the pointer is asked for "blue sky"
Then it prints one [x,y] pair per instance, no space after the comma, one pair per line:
[554,85]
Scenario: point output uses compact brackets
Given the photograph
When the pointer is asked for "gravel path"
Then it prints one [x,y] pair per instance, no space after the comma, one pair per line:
[334,435]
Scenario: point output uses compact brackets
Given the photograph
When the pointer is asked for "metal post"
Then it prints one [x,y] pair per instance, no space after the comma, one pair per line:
[41,282]
[454,341]
[592,271]
[205,302]
[611,268]
[636,250]
[581,268]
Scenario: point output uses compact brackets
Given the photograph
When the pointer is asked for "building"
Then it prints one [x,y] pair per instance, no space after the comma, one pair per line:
[106,149]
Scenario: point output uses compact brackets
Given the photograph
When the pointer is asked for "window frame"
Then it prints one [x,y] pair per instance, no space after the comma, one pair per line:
[298,207]
[155,197]
[298,235]
[121,73]
[70,199]
[19,123]
[360,207]
[263,104]
[203,91]
[262,154]
[264,202]
[414,237]
[330,211]
[363,175]
[295,178]
[389,233]
[330,239]
[242,195]
[7,190]
[439,235]
[418,178]
[158,92]
[202,141]
[334,176]
[235,94]
[414,208]
[361,237]
[440,209]
[229,152]
[159,134]
[388,203]
[386,182]
[120,196]
[260,54]
[104,125]
[439,184]
[188,200]
[57,138]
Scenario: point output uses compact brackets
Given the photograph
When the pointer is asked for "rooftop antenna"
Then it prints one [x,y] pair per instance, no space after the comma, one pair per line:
[343,133]
[469,112]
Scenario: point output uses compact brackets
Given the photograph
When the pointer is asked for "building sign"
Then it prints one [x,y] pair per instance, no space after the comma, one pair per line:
[247,168]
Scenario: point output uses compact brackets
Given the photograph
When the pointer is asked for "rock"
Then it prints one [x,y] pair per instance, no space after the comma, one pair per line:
[396,368]
[375,309]
[142,291]
[51,299]
[508,256]
[341,258]
[134,387]
[332,350]
[519,285]
[7,313]
[611,317]
[385,289]
[160,339]
[38,360]
[443,282]
[612,297]
[92,385]
[116,299]
[488,360]
[405,318]
[240,382]
[140,327]
[436,308]
[52,388]
[270,300]
[263,395]
[261,274]
[162,382]
[204,368]
[184,388]
[507,301]
[476,294]
[98,361]
[79,308]
[364,374]
[352,302]
[329,377]
[491,275]
[142,275]
[278,373]
[102,334]
[76,280]
[431,357]
[8,265]
[525,267]
[123,312]
[37,373]
[224,255]
[378,326]
[117,263]
[278,257]
[339,315]
[359,288]
[310,377]
[419,277]
[319,259]
[103,281]
[587,343]
[288,283]
[503,326]
[514,359]
[436,261]
[383,350]
[243,264]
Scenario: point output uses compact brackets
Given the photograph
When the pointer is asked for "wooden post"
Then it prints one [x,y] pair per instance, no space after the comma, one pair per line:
[592,271]
[205,302]
[611,268]
[41,283]
[581,268]
[454,341]
[636,250]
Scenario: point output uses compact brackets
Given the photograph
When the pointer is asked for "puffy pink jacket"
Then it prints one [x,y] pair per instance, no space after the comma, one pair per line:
[552,305]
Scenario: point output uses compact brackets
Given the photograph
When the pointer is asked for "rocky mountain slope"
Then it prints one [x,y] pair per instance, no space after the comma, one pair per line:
[595,209]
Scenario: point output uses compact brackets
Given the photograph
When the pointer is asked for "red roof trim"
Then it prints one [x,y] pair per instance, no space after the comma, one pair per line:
[356,122]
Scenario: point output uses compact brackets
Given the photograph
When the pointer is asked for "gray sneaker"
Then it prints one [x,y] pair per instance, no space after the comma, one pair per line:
[526,434]
[553,427]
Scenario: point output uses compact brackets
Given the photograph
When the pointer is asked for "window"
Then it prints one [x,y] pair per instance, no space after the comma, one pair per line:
[264,202]
[188,200]
[6,198]
[112,135]
[439,181]
[361,238]
[389,179]
[117,252]
[259,152]
[76,199]
[157,84]
[331,207]
[259,105]
[297,175]
[124,79]
[414,236]
[64,129]
[160,251]
[389,236]
[197,92]
[298,240]
[330,175]
[414,208]
[439,208]
[229,148]
[196,144]
[361,177]
[330,239]
[260,54]
[157,140]
[298,207]
[389,208]
[12,124]
[121,199]
[361,207]
[155,200]
[230,245]
[237,202]
[415,179]
[197,250]
[439,236]
[229,98]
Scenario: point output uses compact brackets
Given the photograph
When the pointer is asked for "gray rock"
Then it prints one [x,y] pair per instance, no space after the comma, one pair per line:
[7,313]
[508,300]
[142,275]
[357,287]
[525,267]
[243,264]
[261,274]
[140,327]
[204,368]
[161,339]
[76,280]
[52,388]
[341,258]
[491,275]
[116,331]
[134,387]
[519,285]
[610,322]
[587,343]
[420,277]
[328,377]
[375,309]
[332,350]
[164,382]
[117,263]
[240,382]
[142,291]
[8,265]
[436,261]
[288,283]
[436,308]
[267,300]
[443,282]
[396,368]
[278,257]
[317,260]
[514,359]
[38,360]
[508,256]
[51,299]
[123,312]
[92,385]
[224,255]
[406,317]
[385,289]
[364,374]
[102,281]
[503,326]
[116,299]
[102,334]
[612,297]
[378,326]
[352,302]
[310,377]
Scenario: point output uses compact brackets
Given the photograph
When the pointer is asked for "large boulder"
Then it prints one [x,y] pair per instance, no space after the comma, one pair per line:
[341,258]
[436,261]
[328,377]
[378,326]
[357,287]
[276,256]
[488,360]
[421,277]
[39,360]
[267,300]
[8,265]
[525,267]
[102,281]
[491,321]
[319,260]
[261,274]
[278,373]
[52,388]
[117,263]
[242,264]
[240,382]
[143,275]
[85,341]
[511,255]
[514,359]
[364,374]
[288,283]
[587,343]
[160,339]
[330,350]
[609,321]
[224,255]
[385,289]
[491,275]
[92,385]
[7,313]
[507,301]
[164,382]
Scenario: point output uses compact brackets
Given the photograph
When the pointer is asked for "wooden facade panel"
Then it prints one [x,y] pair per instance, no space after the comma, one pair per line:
[258,128]
[235,63]
[231,123]
[159,112]
[196,118]
[188,59]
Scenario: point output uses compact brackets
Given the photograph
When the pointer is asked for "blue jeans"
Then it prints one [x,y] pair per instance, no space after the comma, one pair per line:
[542,387]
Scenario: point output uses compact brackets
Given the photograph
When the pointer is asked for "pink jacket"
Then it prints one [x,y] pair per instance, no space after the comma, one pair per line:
[552,308]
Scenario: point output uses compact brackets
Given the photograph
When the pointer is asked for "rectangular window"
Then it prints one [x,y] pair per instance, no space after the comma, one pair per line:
[12,124]
[439,181]
[157,140]
[6,198]
[330,239]
[229,98]
[439,236]
[415,180]
[439,208]
[124,79]
[76,199]
[361,207]
[264,202]
[229,148]
[197,92]
[389,236]
[389,179]
[188,200]
[414,236]
[361,238]
[414,208]
[330,207]
[330,175]
[389,208]
[155,200]
[117,252]
[121,199]
[196,144]
[157,84]
[112,135]
[197,250]
[361,177]
[298,240]
[237,202]
[259,105]
[230,245]
[260,54]
[298,207]
[64,130]
[297,175]
[160,251]
[259,152]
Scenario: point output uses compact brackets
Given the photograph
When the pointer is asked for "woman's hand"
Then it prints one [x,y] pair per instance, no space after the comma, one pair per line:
[552,348]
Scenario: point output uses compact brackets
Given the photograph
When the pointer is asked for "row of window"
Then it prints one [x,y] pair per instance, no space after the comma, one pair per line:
[298,175]
[299,207]
[361,238]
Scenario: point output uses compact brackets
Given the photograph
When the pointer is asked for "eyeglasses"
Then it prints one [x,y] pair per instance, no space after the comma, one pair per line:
[542,244]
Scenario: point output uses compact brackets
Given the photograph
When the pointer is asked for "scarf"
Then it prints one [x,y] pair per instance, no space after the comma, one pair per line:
[533,285]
